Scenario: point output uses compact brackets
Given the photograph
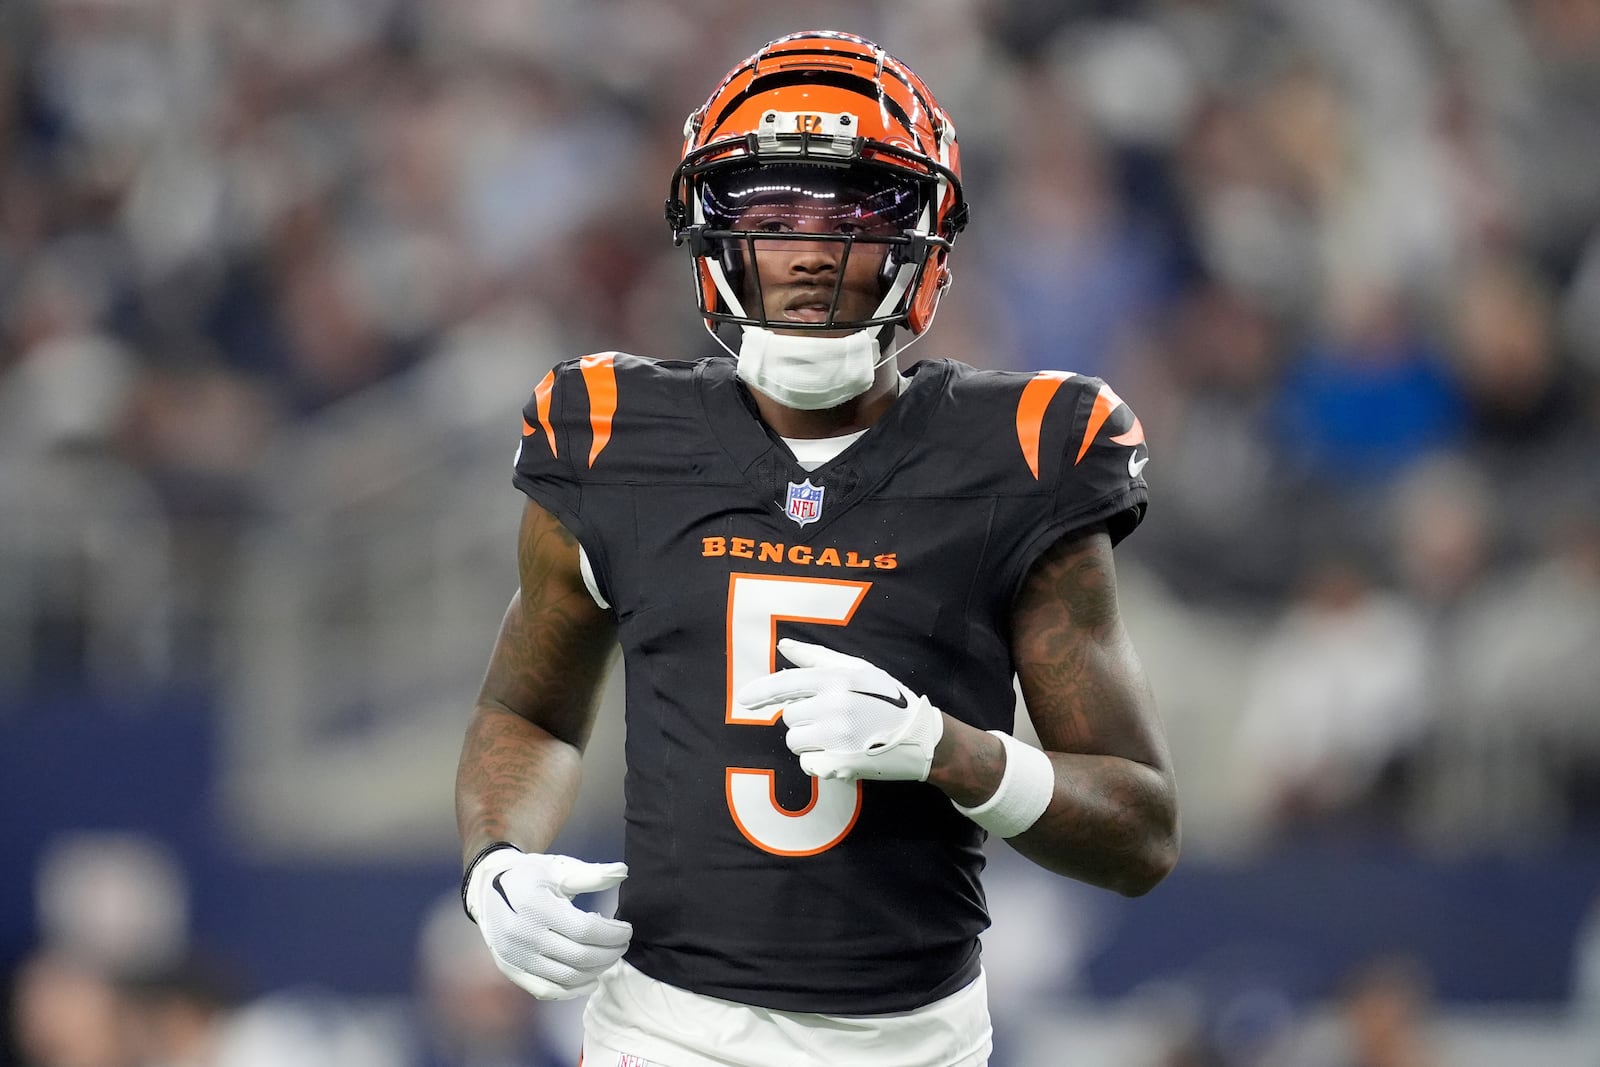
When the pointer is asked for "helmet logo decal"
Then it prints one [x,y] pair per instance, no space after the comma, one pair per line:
[834,132]
[804,503]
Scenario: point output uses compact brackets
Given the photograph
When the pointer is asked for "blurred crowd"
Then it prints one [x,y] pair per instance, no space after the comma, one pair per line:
[118,980]
[1343,258]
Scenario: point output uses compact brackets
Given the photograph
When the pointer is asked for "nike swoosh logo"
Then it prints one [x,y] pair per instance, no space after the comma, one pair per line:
[898,700]
[1135,465]
[498,888]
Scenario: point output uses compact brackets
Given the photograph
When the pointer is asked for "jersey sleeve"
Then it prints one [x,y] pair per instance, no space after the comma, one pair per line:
[566,425]
[1085,447]
[544,468]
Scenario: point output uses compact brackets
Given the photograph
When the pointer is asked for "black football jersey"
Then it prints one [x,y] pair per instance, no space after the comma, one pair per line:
[750,880]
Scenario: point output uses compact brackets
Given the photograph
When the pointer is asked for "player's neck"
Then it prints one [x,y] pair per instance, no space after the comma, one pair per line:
[854,414]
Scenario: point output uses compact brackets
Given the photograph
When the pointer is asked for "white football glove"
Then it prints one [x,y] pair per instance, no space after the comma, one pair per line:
[522,903]
[846,718]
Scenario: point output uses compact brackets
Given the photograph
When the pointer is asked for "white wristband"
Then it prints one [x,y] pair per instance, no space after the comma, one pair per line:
[1024,791]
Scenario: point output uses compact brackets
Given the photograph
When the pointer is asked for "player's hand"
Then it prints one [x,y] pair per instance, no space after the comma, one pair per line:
[847,718]
[522,903]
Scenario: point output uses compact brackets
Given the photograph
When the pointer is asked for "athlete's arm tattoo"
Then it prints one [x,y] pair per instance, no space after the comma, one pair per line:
[1113,820]
[518,771]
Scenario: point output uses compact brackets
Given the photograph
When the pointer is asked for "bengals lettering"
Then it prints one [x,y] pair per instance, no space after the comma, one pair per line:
[800,555]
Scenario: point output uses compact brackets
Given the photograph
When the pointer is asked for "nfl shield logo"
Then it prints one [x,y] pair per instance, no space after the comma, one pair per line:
[805,502]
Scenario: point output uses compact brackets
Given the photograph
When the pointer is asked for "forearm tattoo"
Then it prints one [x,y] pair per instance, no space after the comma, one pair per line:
[518,767]
[1113,818]
[1068,631]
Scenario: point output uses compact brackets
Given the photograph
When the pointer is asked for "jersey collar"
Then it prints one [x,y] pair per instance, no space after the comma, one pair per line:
[769,467]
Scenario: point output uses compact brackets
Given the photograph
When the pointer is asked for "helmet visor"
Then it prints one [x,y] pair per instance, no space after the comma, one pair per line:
[858,201]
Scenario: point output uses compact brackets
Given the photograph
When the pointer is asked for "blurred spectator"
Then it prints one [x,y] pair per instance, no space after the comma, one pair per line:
[1366,395]
[1532,425]
[1336,705]
[1384,1018]
[84,536]
[1076,274]
[117,899]
[1444,528]
[117,983]
[1521,732]
[1388,1006]
[467,1014]
[1210,392]
[1551,120]
[68,384]
[1226,1016]
[178,1016]
[68,1012]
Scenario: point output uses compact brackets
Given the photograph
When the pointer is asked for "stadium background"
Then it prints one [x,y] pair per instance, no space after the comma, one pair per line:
[275,278]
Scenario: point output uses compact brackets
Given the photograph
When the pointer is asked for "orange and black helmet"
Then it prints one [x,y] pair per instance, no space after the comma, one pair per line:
[838,108]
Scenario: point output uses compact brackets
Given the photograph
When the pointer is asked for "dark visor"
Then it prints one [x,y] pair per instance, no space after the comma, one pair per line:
[869,199]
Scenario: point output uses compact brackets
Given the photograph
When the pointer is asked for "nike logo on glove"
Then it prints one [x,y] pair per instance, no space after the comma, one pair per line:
[898,700]
[498,888]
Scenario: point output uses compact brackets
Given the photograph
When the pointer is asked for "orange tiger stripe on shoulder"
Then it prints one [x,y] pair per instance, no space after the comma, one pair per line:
[600,378]
[541,403]
[1105,402]
[1036,397]
[1134,434]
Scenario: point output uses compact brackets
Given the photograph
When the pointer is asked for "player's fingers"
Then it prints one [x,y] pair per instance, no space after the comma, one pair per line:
[825,765]
[531,984]
[588,928]
[779,687]
[543,988]
[557,979]
[574,876]
[552,955]
[806,654]
[812,715]
[543,950]
[835,669]
[805,736]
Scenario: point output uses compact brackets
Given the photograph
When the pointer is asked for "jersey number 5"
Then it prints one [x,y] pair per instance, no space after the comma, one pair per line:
[756,604]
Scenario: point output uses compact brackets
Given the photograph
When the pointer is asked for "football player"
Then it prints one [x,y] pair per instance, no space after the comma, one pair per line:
[824,574]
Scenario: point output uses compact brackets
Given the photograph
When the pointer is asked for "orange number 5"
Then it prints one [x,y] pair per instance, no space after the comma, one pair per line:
[756,603]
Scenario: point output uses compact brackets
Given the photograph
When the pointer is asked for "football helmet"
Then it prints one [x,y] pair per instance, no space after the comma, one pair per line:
[854,146]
